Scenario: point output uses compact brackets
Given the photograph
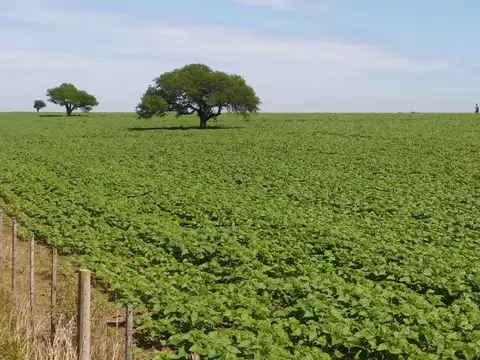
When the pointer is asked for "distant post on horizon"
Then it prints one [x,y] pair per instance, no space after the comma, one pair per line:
[476,108]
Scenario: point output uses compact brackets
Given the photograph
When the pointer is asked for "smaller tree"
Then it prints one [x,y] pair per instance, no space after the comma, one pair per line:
[39,104]
[72,98]
[197,89]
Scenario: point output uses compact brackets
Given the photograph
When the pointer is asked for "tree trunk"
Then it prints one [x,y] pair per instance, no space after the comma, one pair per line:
[203,123]
[69,110]
[38,110]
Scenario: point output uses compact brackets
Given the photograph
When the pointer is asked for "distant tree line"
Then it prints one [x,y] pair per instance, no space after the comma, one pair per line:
[192,89]
[70,97]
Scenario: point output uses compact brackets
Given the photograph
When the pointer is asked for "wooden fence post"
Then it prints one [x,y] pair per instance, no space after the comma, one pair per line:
[14,255]
[1,240]
[83,315]
[129,333]
[53,304]
[32,280]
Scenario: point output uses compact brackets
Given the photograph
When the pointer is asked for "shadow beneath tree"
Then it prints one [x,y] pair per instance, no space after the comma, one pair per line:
[59,115]
[175,128]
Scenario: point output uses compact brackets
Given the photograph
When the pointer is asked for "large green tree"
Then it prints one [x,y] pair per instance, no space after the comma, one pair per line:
[39,104]
[197,89]
[72,98]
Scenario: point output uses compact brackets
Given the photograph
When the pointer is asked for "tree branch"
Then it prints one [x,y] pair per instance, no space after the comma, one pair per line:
[215,114]
[194,109]
[185,112]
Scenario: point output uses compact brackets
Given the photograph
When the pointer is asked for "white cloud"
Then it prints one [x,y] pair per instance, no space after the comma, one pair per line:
[116,56]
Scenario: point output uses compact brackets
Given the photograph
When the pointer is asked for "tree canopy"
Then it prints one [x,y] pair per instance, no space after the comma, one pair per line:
[39,104]
[197,89]
[72,98]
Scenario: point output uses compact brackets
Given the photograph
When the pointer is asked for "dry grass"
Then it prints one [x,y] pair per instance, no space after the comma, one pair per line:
[19,341]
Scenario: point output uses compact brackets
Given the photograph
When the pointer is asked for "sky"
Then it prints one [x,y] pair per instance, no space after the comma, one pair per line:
[298,55]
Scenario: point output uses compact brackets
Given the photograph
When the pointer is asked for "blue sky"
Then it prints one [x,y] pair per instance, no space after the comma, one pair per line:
[299,55]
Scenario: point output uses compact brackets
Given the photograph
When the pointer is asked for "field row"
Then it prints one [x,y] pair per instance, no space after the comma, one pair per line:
[287,237]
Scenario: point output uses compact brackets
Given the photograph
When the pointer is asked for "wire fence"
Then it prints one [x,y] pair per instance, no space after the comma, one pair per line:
[83,297]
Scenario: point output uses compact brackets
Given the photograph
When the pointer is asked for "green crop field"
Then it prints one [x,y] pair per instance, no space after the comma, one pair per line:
[322,236]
